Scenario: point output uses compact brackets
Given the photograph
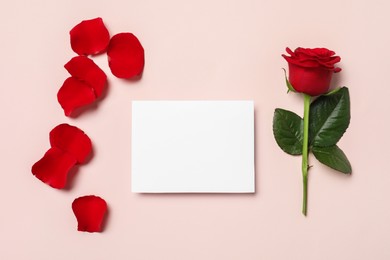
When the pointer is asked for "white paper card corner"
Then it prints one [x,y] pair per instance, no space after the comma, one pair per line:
[193,146]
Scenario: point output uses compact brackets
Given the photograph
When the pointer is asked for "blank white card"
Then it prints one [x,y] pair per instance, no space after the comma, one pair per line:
[192,146]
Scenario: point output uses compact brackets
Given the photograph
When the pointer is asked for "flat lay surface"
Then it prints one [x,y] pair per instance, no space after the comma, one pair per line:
[195,50]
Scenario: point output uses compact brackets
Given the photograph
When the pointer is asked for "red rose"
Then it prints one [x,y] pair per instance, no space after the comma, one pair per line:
[311,70]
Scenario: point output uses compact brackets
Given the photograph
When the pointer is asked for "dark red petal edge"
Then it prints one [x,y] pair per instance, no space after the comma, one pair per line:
[53,168]
[74,94]
[72,140]
[89,211]
[84,69]
[125,56]
[89,37]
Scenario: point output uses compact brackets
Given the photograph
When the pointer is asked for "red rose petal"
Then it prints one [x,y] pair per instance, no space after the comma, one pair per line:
[72,140]
[312,58]
[89,212]
[289,51]
[84,69]
[125,56]
[303,63]
[53,168]
[75,94]
[89,37]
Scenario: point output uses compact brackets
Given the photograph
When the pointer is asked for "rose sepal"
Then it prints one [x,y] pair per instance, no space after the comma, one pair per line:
[333,91]
[288,84]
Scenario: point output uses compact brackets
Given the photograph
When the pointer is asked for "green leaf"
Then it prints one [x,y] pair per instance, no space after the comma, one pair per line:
[329,118]
[288,131]
[333,157]
[288,84]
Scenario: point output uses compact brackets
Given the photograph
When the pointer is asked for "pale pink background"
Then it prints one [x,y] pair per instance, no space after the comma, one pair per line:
[196,50]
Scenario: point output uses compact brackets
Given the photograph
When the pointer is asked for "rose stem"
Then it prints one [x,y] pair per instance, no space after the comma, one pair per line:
[305,148]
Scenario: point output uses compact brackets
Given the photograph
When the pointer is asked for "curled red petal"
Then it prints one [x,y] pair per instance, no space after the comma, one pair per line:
[84,69]
[89,211]
[289,51]
[75,94]
[53,168]
[125,56]
[89,37]
[72,140]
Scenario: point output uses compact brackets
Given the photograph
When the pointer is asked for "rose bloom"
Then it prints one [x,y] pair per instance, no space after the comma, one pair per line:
[311,70]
